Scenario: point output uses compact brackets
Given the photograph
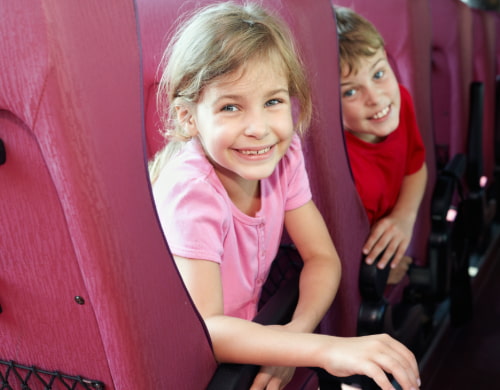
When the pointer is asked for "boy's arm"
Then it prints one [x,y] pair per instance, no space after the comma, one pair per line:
[393,232]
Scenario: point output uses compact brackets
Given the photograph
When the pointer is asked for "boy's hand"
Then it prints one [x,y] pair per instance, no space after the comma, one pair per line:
[391,234]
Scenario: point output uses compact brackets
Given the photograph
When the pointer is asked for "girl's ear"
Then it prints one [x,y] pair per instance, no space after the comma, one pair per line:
[186,120]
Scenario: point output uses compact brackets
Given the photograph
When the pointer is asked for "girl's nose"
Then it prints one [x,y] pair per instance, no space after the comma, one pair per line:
[257,126]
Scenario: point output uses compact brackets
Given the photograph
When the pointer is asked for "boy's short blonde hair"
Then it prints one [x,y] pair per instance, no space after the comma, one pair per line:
[357,38]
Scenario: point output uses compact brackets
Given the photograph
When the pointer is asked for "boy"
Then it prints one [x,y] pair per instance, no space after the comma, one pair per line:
[385,148]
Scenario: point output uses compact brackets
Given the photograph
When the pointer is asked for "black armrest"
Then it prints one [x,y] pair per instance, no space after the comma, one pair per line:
[447,184]
[432,282]
[373,309]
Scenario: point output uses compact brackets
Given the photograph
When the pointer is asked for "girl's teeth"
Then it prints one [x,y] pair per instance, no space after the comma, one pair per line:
[381,114]
[255,152]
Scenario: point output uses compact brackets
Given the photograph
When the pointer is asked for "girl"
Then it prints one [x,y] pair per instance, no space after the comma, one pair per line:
[231,177]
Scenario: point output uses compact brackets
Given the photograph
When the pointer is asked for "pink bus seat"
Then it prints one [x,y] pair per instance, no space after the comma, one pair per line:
[88,289]
[452,71]
[463,42]
[484,31]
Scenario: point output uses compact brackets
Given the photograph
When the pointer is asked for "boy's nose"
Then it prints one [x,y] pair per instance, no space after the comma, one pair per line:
[372,95]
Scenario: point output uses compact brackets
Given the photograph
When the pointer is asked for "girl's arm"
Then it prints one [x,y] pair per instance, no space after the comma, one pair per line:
[239,341]
[393,233]
[320,277]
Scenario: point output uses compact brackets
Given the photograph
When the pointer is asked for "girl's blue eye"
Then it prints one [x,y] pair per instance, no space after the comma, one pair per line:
[349,93]
[378,75]
[272,102]
[229,107]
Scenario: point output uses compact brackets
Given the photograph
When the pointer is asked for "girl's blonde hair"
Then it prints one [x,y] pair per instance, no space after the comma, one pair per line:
[215,41]
[357,38]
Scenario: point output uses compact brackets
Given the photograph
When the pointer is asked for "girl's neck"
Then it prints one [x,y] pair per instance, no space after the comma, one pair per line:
[245,194]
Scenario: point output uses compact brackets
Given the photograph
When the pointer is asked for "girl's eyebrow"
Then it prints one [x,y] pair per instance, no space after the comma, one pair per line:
[238,96]
[277,91]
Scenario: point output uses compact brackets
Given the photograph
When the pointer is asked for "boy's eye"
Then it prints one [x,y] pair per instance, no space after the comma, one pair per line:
[229,107]
[349,93]
[272,102]
[379,75]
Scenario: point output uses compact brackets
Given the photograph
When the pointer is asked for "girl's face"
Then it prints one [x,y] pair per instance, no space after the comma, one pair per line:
[370,99]
[244,121]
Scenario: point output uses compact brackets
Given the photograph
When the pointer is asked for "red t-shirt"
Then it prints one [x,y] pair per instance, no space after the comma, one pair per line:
[379,169]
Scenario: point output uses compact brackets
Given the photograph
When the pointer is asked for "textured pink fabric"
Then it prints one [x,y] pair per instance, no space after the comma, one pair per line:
[326,160]
[451,72]
[77,212]
[484,40]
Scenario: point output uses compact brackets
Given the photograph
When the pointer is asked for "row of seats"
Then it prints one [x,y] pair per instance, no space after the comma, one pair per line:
[88,289]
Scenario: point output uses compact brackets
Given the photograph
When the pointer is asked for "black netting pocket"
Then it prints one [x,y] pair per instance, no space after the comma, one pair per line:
[14,376]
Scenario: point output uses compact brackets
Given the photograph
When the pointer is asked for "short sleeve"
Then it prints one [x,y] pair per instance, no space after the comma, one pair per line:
[299,191]
[193,216]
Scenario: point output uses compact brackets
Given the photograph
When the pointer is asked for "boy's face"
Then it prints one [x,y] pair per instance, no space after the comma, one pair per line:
[370,98]
[244,121]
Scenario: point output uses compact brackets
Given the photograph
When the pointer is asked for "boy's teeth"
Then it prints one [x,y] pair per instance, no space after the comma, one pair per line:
[381,113]
[261,151]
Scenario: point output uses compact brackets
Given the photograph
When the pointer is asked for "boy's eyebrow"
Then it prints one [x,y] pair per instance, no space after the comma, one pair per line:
[374,65]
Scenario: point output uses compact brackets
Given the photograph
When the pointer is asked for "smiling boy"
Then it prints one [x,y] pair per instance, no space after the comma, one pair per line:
[385,148]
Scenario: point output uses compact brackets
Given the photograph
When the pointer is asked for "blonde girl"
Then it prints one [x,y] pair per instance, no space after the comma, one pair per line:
[232,177]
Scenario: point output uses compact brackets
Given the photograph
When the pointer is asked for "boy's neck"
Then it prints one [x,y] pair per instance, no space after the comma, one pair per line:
[369,138]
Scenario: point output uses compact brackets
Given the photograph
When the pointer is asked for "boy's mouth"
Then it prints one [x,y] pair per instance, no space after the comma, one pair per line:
[381,114]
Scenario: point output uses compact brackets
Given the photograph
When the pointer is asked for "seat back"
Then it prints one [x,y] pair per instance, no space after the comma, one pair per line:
[88,287]
[484,58]
[326,159]
[452,51]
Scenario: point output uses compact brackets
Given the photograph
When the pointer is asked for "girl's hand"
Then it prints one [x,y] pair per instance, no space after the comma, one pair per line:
[390,235]
[373,356]
[272,378]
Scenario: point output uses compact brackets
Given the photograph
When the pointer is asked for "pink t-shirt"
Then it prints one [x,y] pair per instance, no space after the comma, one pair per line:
[200,221]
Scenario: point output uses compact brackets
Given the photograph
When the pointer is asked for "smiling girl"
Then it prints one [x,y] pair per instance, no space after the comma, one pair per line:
[231,178]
